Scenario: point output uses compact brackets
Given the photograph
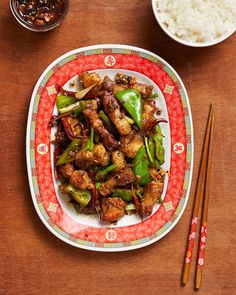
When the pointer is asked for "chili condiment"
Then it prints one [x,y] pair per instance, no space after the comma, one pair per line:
[40,12]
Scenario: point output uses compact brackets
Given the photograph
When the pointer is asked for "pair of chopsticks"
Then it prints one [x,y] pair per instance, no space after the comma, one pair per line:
[202,191]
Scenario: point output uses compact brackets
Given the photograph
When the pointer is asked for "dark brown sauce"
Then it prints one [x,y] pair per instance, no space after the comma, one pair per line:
[40,12]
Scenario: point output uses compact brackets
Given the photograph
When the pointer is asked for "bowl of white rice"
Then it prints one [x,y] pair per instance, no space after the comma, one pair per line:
[197,23]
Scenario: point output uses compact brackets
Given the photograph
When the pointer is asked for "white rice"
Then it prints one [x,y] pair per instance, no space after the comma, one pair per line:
[198,20]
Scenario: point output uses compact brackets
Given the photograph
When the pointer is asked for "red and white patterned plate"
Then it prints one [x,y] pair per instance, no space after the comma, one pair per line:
[54,210]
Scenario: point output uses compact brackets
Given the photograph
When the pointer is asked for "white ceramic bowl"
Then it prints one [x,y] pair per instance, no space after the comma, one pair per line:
[184,42]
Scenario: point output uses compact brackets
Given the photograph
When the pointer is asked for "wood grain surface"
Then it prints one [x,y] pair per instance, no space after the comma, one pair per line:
[32,260]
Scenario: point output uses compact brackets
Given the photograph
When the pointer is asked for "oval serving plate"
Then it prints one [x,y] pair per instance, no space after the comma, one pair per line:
[56,213]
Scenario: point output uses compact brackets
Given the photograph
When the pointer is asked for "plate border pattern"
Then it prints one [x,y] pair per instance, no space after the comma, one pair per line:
[30,148]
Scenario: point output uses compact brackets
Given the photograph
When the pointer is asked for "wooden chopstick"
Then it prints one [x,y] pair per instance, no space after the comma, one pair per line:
[197,201]
[202,240]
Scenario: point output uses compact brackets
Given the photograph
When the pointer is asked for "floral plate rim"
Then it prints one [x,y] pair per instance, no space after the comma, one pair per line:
[28,151]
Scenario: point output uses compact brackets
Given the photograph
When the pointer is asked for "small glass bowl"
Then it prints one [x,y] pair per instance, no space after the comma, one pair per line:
[33,27]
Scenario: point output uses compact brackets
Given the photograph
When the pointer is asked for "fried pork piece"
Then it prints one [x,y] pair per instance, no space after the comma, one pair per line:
[84,159]
[94,120]
[119,87]
[81,180]
[88,79]
[125,177]
[149,111]
[98,156]
[107,84]
[157,175]
[112,209]
[112,109]
[106,187]
[123,82]
[92,104]
[118,158]
[152,194]
[145,90]
[61,139]
[131,143]
[124,79]
[66,170]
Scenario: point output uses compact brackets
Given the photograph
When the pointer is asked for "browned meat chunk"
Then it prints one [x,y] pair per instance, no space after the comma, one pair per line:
[145,90]
[112,109]
[88,79]
[157,175]
[123,82]
[106,187]
[94,120]
[119,87]
[108,84]
[92,104]
[125,177]
[66,170]
[152,194]
[62,188]
[124,79]
[149,111]
[84,159]
[98,156]
[61,139]
[112,209]
[118,158]
[131,143]
[81,180]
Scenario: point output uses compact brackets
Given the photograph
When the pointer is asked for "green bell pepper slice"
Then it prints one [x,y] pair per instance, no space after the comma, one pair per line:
[139,195]
[89,143]
[124,194]
[160,153]
[97,184]
[76,107]
[151,144]
[160,150]
[132,102]
[76,206]
[148,149]
[91,139]
[154,95]
[63,101]
[81,196]
[106,120]
[140,167]
[156,164]
[101,174]
[159,134]
[64,158]
[130,207]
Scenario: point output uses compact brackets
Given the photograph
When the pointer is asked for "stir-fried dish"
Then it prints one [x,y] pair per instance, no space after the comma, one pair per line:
[109,146]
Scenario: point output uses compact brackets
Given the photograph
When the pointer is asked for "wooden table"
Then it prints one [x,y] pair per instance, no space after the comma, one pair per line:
[33,261]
